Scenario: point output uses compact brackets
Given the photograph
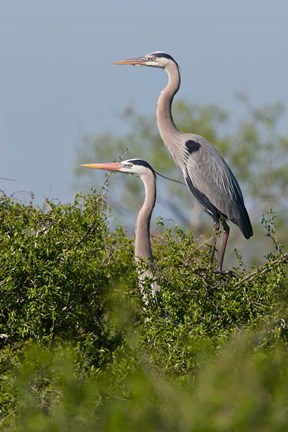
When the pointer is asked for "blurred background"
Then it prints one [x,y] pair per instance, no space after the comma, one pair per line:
[63,102]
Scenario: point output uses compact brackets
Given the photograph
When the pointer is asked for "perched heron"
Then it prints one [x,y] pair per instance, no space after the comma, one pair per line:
[206,174]
[142,169]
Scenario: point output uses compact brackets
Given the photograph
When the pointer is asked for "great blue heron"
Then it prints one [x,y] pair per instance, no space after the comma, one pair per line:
[207,175]
[142,169]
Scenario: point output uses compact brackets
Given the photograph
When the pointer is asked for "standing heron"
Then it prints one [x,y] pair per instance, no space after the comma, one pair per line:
[206,174]
[142,169]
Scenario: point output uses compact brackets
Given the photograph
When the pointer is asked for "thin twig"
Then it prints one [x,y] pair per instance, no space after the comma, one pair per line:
[282,259]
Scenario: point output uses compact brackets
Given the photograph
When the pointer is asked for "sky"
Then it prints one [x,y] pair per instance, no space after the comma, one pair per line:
[58,84]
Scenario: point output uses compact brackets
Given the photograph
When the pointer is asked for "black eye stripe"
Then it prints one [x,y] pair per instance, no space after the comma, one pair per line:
[141,162]
[162,54]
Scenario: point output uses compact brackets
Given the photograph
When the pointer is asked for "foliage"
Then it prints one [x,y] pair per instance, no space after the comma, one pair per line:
[79,350]
[55,266]
[241,389]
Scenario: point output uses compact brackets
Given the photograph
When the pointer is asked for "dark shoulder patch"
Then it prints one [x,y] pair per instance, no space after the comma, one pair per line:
[192,146]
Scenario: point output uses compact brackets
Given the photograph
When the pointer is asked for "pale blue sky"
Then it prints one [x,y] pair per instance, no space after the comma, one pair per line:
[58,84]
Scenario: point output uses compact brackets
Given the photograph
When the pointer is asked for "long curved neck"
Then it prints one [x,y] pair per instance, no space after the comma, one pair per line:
[166,125]
[142,230]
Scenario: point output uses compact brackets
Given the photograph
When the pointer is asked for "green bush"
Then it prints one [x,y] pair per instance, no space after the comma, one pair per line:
[57,265]
[79,350]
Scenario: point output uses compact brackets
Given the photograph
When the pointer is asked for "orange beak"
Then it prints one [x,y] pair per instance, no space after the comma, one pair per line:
[110,166]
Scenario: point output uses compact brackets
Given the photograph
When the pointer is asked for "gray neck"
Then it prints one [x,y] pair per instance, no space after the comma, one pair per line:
[142,230]
[167,129]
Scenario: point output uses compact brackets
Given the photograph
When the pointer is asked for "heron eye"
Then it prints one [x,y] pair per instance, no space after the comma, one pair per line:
[152,58]
[128,165]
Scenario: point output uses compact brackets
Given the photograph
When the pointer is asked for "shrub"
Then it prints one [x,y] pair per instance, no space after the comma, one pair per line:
[80,350]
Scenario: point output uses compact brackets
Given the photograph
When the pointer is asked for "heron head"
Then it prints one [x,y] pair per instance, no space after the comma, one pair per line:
[137,167]
[158,59]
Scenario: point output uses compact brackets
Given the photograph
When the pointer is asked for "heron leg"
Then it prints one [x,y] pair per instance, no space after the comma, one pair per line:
[224,244]
[214,240]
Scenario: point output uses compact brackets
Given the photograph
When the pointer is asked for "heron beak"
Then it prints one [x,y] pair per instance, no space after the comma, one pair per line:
[137,61]
[111,166]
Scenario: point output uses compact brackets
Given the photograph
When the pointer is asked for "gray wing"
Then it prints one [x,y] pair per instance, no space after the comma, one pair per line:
[212,182]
